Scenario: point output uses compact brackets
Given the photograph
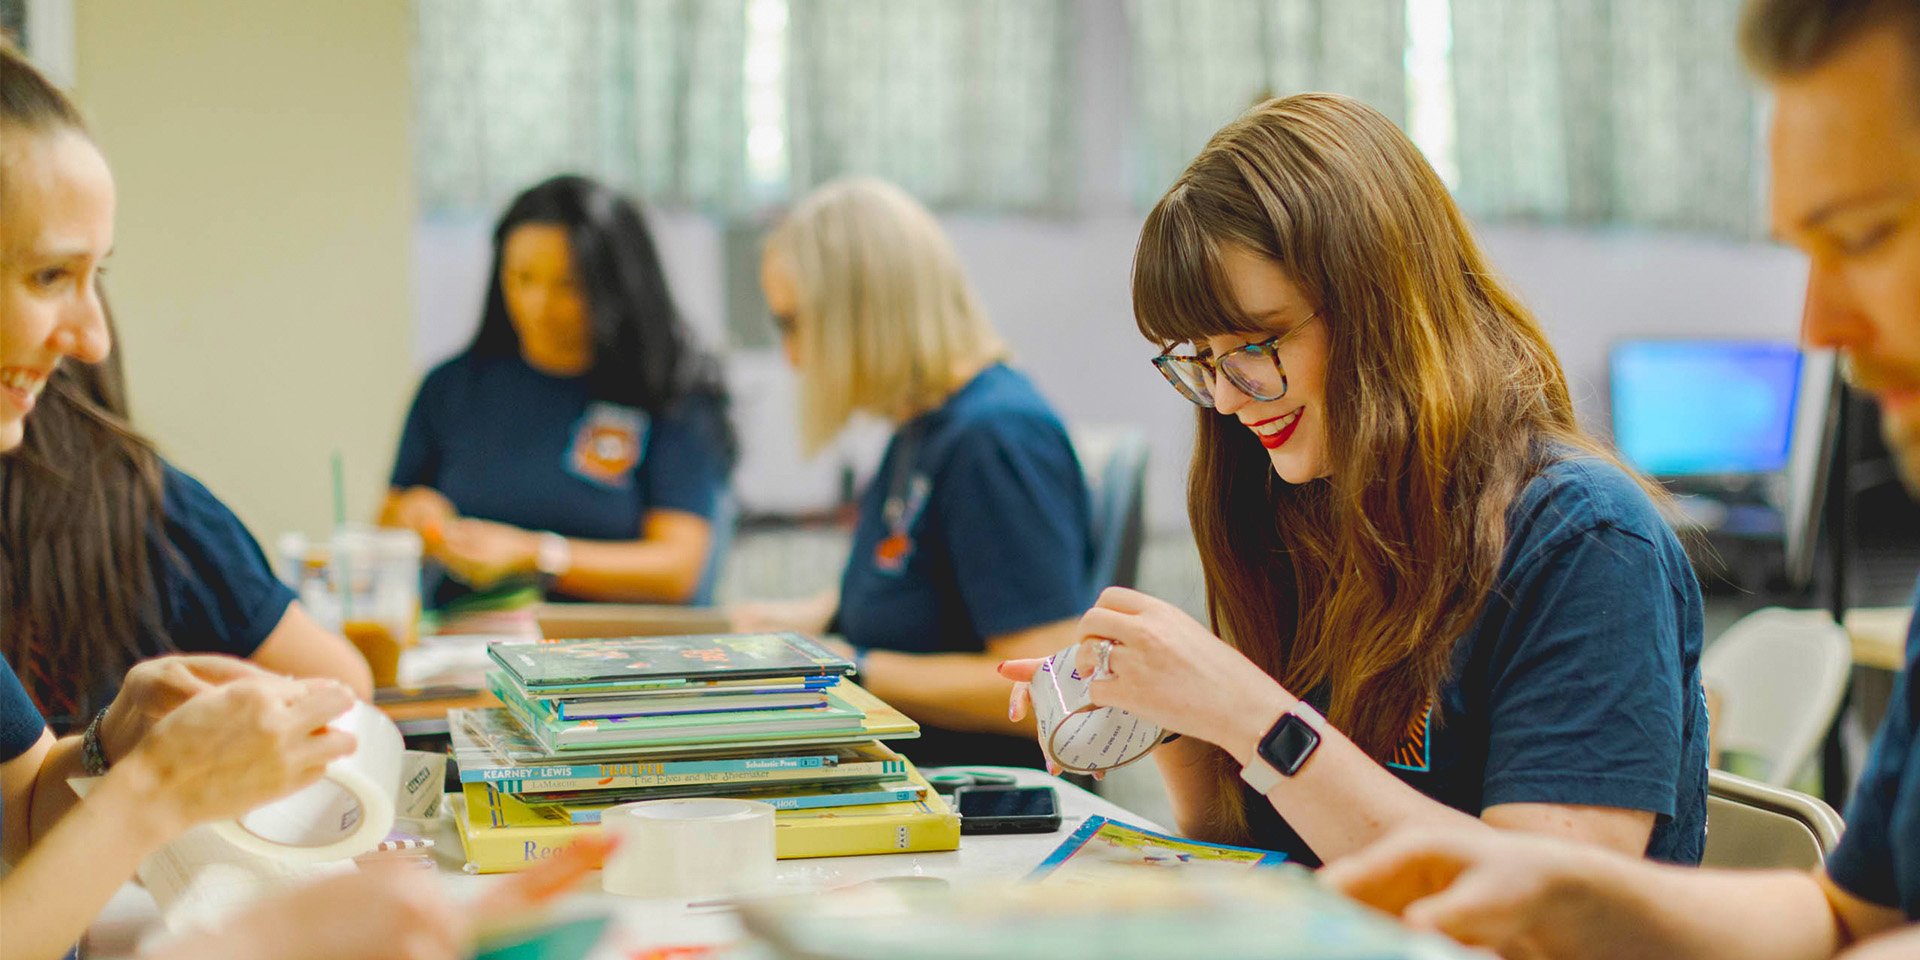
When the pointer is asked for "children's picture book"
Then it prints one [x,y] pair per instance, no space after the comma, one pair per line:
[909,826]
[880,722]
[1102,844]
[607,709]
[484,738]
[613,660]
[557,735]
[1136,914]
[491,808]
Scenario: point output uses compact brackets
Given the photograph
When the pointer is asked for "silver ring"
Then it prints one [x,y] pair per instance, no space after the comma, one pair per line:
[1102,655]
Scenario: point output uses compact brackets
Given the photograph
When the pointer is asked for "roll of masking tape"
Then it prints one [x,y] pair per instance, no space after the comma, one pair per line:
[681,849]
[1077,735]
[344,814]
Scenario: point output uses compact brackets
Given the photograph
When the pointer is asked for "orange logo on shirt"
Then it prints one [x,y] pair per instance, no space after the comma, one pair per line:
[1415,752]
[891,554]
[606,445]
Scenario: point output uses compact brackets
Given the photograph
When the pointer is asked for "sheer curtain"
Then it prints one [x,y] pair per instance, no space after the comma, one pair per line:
[964,104]
[647,94]
[1632,112]
[1199,63]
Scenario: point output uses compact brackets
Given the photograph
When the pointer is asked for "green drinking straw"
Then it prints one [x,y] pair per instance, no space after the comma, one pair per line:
[339,491]
[339,525]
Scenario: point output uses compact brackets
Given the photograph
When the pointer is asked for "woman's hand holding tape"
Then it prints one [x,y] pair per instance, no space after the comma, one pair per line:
[154,688]
[235,746]
[1163,666]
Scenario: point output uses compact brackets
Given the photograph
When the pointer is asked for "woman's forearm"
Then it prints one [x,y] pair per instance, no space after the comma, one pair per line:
[1341,800]
[1633,910]
[962,691]
[640,571]
[958,691]
[52,798]
[62,883]
[665,565]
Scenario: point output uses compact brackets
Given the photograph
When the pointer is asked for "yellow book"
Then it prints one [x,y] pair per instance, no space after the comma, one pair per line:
[909,826]
[914,826]
[882,720]
[506,849]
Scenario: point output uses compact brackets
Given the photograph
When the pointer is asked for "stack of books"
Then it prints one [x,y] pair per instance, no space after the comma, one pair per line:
[591,724]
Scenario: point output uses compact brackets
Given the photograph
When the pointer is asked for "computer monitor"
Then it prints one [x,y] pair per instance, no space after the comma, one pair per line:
[1704,408]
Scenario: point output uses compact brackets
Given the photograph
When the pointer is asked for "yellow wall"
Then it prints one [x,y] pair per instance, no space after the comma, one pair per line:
[263,262]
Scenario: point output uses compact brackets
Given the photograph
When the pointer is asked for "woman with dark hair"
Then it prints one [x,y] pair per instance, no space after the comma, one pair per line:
[1433,599]
[188,739]
[110,555]
[582,436]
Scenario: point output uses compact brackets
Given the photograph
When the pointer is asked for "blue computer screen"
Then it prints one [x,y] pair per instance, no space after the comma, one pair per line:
[1687,408]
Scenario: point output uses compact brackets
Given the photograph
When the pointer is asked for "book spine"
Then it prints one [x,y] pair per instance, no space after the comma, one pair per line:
[821,801]
[801,839]
[565,711]
[518,848]
[489,809]
[507,849]
[509,693]
[847,771]
[590,775]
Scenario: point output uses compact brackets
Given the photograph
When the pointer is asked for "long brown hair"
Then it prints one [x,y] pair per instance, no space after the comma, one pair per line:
[1443,399]
[81,502]
[78,499]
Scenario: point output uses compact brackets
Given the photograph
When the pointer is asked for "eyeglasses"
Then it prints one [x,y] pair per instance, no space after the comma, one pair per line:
[1254,369]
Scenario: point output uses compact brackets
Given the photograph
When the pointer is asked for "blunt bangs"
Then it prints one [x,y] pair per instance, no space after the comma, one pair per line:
[1180,291]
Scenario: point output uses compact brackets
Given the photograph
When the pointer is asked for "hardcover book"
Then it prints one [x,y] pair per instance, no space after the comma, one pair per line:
[928,824]
[640,660]
[492,808]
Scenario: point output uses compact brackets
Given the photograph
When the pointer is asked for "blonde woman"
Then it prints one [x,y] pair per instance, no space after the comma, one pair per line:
[973,541]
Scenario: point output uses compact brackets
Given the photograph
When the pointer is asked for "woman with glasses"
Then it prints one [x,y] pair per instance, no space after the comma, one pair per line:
[581,441]
[973,543]
[1433,599]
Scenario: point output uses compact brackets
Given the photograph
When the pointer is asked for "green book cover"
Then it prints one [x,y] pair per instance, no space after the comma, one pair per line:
[557,735]
[536,665]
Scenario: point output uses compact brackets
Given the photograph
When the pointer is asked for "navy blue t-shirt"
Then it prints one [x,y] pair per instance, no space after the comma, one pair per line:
[1878,858]
[20,722]
[976,524]
[1580,681]
[217,593]
[508,443]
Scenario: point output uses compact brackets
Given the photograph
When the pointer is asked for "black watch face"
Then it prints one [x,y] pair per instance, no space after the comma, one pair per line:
[1288,745]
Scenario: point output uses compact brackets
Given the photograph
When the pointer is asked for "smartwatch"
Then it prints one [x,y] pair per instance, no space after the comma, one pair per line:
[1285,749]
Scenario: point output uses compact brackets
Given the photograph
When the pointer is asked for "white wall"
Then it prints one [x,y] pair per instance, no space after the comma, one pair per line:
[261,271]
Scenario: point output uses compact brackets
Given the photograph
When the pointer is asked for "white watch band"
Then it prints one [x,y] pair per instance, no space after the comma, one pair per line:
[1263,776]
[1260,775]
[554,555]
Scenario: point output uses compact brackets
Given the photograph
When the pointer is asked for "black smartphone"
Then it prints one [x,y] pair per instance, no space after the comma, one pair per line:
[998,809]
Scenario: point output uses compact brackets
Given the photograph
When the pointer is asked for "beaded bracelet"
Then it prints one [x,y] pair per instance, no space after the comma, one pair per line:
[93,757]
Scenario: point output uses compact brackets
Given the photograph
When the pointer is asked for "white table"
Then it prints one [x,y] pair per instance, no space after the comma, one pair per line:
[640,924]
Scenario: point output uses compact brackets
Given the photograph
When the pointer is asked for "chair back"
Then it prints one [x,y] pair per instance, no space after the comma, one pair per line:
[726,522]
[1751,825]
[1781,674]
[1114,461]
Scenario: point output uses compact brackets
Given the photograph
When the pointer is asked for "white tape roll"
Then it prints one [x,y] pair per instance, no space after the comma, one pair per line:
[1078,736]
[347,813]
[689,848]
